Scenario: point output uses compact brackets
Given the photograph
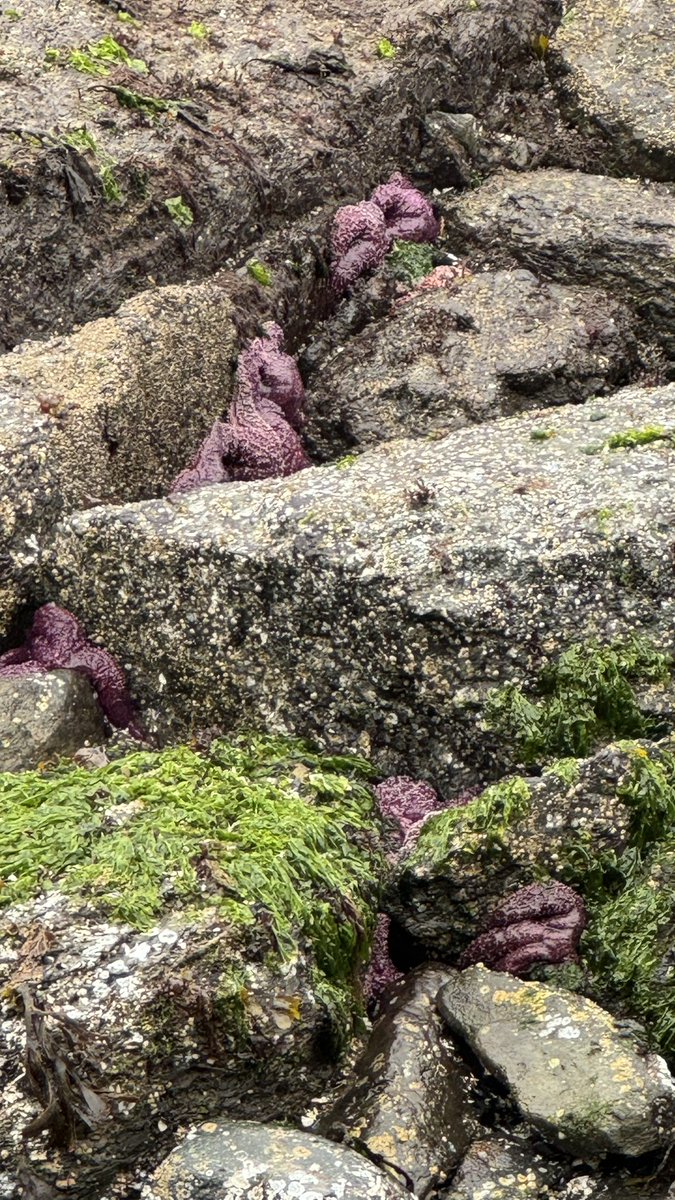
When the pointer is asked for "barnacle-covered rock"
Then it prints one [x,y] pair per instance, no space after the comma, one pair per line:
[45,714]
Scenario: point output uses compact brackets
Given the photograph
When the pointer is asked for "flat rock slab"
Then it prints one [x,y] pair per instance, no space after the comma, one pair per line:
[579,228]
[239,1160]
[45,715]
[116,172]
[491,345]
[497,1168]
[571,1072]
[106,415]
[372,607]
[617,64]
[410,1096]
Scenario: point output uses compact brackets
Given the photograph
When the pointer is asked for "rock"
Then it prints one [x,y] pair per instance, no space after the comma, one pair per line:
[445,888]
[490,346]
[159,166]
[46,715]
[197,952]
[240,1160]
[106,415]
[615,65]
[408,1100]
[621,1187]
[501,1168]
[373,607]
[577,228]
[569,1069]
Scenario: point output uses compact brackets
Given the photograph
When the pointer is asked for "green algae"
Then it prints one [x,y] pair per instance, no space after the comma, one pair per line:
[99,56]
[585,697]
[483,822]
[411,261]
[180,212]
[258,271]
[257,825]
[386,48]
[631,438]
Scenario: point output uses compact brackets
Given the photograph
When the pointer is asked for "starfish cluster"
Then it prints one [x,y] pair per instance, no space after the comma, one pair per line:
[260,438]
[57,641]
[363,234]
[538,924]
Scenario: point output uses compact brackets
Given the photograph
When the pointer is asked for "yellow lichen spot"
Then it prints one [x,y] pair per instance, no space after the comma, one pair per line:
[554,1062]
[208,1127]
[384,1144]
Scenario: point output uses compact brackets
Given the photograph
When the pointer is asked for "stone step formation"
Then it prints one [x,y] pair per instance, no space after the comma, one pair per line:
[339,407]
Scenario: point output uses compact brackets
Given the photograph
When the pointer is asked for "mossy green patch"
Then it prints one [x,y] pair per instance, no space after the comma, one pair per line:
[180,212]
[84,142]
[542,435]
[199,31]
[411,261]
[386,48]
[258,271]
[638,437]
[256,825]
[346,461]
[152,106]
[482,822]
[99,56]
[585,697]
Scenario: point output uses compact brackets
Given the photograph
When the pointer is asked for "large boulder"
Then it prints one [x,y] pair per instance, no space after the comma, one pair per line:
[493,345]
[374,607]
[573,1073]
[577,228]
[45,715]
[614,64]
[181,937]
[504,1168]
[106,415]
[240,1160]
[408,1100]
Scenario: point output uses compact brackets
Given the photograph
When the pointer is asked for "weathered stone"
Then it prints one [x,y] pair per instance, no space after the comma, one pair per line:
[160,171]
[577,228]
[492,345]
[570,1070]
[500,1168]
[616,62]
[450,881]
[108,414]
[240,1160]
[617,1187]
[408,1100]
[168,976]
[45,715]
[373,607]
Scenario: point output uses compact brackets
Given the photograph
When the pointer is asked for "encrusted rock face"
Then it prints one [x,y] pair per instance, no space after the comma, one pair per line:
[239,1160]
[572,1072]
[616,68]
[409,1101]
[493,344]
[45,715]
[581,228]
[499,1168]
[373,607]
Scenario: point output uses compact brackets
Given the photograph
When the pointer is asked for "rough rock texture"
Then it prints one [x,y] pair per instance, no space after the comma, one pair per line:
[46,715]
[573,1074]
[616,63]
[577,228]
[498,1168]
[408,1102]
[240,1160]
[218,126]
[444,892]
[373,607]
[106,415]
[492,345]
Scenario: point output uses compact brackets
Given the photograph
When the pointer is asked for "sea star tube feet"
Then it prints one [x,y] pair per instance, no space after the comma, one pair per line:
[540,923]
[57,641]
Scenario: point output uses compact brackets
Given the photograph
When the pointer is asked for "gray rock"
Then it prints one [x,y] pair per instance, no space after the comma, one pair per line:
[616,68]
[45,715]
[106,415]
[373,607]
[451,880]
[500,1168]
[577,228]
[569,1069]
[408,1100]
[240,1160]
[493,345]
[621,1187]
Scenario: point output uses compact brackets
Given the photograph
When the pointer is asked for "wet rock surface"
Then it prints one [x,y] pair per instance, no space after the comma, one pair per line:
[233,1160]
[577,228]
[569,1069]
[488,346]
[409,1105]
[45,715]
[410,582]
[503,1168]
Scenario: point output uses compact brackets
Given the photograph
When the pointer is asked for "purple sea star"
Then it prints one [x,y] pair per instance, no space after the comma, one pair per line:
[259,439]
[362,234]
[541,923]
[57,641]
